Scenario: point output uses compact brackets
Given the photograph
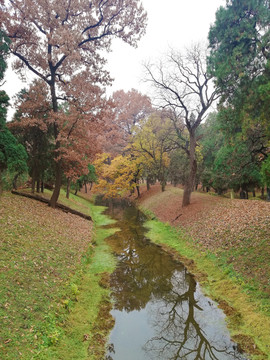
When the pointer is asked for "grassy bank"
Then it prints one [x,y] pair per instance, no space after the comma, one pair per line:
[222,254]
[53,267]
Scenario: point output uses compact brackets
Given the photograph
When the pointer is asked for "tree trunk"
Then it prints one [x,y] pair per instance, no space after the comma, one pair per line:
[14,183]
[148,183]
[163,185]
[68,188]
[85,187]
[38,186]
[138,190]
[189,184]
[254,193]
[192,171]
[57,186]
[76,188]
[262,192]
[268,194]
[42,186]
[58,167]
[33,185]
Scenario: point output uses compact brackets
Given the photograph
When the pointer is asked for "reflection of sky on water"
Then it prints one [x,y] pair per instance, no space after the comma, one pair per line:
[158,332]
[128,340]
[159,309]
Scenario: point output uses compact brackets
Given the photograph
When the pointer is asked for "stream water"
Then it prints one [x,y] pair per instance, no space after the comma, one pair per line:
[159,309]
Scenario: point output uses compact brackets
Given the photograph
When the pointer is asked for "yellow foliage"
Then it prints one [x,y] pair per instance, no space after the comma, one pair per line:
[116,175]
[151,144]
[198,154]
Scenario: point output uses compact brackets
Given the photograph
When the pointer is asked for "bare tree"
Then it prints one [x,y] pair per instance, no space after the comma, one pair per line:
[183,88]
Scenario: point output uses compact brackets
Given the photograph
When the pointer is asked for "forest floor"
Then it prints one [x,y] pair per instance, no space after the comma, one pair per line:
[237,231]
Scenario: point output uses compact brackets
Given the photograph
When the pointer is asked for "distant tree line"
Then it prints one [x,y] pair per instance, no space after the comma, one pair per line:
[182,141]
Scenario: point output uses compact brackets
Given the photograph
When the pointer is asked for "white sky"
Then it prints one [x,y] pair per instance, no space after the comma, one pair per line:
[171,23]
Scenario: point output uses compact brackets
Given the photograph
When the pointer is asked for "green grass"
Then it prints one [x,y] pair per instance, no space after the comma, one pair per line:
[246,322]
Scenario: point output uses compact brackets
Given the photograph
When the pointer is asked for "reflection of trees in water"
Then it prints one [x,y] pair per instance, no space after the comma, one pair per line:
[143,270]
[179,334]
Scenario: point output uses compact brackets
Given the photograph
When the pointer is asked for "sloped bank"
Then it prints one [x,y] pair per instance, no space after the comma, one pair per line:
[53,270]
[44,252]
[89,322]
[247,315]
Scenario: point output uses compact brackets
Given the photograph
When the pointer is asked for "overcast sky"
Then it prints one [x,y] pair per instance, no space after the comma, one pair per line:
[171,23]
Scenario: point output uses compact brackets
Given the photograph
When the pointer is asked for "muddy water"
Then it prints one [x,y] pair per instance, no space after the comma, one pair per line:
[159,309]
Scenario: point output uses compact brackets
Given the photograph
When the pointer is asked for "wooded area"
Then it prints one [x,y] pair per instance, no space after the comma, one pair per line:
[67,131]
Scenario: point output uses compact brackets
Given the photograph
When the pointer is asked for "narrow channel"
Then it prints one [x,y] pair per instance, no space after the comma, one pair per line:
[159,309]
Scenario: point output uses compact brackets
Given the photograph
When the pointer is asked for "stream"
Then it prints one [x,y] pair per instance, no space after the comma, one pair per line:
[159,310]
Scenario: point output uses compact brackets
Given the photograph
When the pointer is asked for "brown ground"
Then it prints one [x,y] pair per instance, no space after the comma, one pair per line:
[238,229]
[171,206]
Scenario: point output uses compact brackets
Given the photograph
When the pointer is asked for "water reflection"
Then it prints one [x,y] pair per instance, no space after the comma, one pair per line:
[188,327]
[159,309]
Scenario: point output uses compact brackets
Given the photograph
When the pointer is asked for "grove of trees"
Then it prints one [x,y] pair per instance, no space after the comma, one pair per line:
[207,121]
[61,43]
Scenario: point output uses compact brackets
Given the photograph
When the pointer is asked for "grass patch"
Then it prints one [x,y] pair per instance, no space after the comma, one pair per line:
[245,321]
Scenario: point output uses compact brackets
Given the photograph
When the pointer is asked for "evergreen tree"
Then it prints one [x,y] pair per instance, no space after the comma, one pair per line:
[240,63]
[12,155]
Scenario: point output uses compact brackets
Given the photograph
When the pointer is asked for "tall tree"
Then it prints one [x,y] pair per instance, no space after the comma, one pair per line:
[239,43]
[240,62]
[31,127]
[183,87]
[57,40]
